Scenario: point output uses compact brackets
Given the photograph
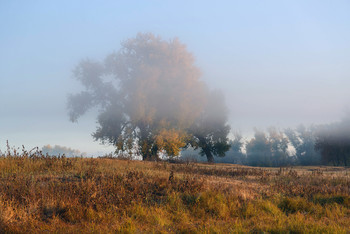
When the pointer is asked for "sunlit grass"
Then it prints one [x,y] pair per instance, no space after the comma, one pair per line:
[57,194]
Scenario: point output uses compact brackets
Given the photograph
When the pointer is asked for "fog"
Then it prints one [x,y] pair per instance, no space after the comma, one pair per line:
[60,151]
[276,63]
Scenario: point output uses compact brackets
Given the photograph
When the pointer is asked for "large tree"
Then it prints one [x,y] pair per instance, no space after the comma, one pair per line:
[149,95]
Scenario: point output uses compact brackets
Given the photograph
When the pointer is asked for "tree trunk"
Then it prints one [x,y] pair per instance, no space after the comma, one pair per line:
[209,155]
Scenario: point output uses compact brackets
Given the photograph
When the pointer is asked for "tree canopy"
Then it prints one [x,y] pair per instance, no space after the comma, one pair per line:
[149,96]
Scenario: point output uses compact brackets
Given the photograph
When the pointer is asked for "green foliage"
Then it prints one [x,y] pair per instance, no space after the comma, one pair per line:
[339,199]
[295,204]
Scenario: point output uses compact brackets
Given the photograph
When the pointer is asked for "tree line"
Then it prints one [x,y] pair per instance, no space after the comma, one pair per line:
[304,146]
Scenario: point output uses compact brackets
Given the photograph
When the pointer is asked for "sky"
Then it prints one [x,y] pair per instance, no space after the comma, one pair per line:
[278,63]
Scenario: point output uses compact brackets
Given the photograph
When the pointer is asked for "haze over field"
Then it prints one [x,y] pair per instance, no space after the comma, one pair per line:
[277,63]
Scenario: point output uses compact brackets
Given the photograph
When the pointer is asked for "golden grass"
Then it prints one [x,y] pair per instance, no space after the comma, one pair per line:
[70,195]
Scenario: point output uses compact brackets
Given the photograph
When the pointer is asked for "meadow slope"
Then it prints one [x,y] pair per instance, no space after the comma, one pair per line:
[53,194]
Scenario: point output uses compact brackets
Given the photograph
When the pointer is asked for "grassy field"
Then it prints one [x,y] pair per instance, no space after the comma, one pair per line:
[50,194]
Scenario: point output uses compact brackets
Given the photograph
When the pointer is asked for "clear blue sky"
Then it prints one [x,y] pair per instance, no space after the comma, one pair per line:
[279,63]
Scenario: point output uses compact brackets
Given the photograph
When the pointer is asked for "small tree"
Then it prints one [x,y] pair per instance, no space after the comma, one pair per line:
[235,154]
[210,131]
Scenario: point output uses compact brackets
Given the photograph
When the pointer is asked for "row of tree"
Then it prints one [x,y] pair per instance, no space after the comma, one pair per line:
[314,145]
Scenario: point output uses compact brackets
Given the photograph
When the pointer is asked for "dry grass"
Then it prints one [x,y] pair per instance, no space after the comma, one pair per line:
[57,194]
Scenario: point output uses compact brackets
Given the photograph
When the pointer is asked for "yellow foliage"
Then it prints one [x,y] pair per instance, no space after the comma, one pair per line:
[170,140]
